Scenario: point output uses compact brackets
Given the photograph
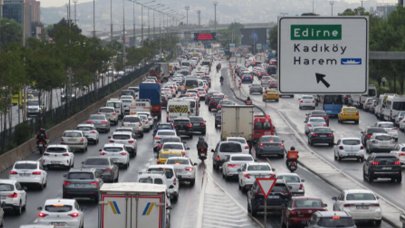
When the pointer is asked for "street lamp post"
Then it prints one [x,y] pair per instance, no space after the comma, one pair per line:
[133,22]
[199,17]
[123,33]
[75,11]
[111,22]
[331,7]
[187,9]
[94,18]
[1,9]
[215,16]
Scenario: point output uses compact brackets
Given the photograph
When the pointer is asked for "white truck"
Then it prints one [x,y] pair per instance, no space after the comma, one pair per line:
[140,105]
[134,205]
[237,121]
[359,100]
[177,108]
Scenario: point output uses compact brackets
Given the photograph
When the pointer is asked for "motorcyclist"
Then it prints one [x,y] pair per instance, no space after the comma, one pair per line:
[292,155]
[221,79]
[42,136]
[218,66]
[202,145]
[248,101]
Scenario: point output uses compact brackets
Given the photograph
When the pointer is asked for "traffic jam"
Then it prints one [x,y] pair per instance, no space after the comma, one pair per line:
[143,150]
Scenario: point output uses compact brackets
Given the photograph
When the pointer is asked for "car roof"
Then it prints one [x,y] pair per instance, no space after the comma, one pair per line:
[235,137]
[176,143]
[8,181]
[122,133]
[258,163]
[58,145]
[316,117]
[88,170]
[26,162]
[240,155]
[132,115]
[348,191]
[85,125]
[350,138]
[78,131]
[332,213]
[108,107]
[60,201]
[379,134]
[288,174]
[161,166]
[384,122]
[178,158]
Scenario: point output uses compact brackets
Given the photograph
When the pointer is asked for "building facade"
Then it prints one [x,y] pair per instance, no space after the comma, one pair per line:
[25,12]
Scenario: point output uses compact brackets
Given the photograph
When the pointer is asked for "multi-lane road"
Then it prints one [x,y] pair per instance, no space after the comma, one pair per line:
[219,203]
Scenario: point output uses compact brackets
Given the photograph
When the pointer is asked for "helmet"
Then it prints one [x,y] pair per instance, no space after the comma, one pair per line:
[201,138]
[292,148]
[248,98]
[42,129]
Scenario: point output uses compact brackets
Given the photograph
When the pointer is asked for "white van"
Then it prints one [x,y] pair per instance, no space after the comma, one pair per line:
[194,105]
[359,100]
[177,108]
[117,104]
[391,105]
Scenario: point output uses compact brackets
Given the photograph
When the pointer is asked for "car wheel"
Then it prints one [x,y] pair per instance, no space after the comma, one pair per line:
[203,133]
[96,199]
[190,136]
[72,165]
[377,222]
[116,179]
[192,182]
[364,177]
[361,159]
[356,122]
[18,210]
[141,135]
[214,167]
[370,178]
[399,179]
[335,157]
[126,166]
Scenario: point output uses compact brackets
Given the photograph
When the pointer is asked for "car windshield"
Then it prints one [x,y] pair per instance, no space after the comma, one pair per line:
[80,176]
[258,168]
[230,148]
[241,158]
[112,149]
[383,137]
[196,119]
[96,161]
[177,162]
[351,142]
[106,110]
[59,208]
[307,203]
[168,146]
[386,125]
[160,133]
[97,117]
[307,97]
[131,119]
[290,178]
[181,122]
[336,221]
[113,104]
[121,137]
[72,134]
[82,128]
[33,103]
[56,150]
[243,141]
[322,130]
[280,188]
[6,187]
[360,196]
[386,159]
[25,166]
[164,126]
[170,139]
[349,110]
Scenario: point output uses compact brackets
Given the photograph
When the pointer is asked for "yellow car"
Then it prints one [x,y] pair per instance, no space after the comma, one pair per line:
[271,94]
[349,114]
[171,149]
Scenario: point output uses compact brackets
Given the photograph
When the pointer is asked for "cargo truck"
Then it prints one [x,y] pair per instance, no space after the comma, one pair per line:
[134,205]
[237,121]
[151,91]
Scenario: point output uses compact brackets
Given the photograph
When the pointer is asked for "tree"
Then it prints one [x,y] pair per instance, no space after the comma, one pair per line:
[10,33]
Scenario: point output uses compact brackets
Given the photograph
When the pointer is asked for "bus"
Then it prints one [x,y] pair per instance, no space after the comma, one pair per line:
[332,104]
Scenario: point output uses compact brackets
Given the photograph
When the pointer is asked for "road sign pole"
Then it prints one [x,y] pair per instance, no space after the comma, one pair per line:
[265,212]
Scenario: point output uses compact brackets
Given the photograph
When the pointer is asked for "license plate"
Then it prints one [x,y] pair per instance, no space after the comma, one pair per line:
[352,154]
[386,168]
[273,197]
[361,207]
[196,124]
[322,136]
[78,185]
[55,162]
[58,223]
[25,174]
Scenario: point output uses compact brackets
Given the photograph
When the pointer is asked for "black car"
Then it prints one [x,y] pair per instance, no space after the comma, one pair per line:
[105,168]
[82,183]
[183,126]
[278,198]
[382,165]
[160,126]
[209,95]
[366,135]
[270,145]
[218,119]
[321,135]
[199,124]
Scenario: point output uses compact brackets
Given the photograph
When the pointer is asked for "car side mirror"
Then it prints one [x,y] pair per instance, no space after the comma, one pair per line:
[195,163]
[39,208]
[65,175]
[187,148]
[273,169]
[212,150]
[334,198]
[324,205]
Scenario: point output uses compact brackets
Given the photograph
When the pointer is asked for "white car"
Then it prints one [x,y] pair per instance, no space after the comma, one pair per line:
[110,113]
[400,116]
[171,179]
[314,122]
[294,182]
[13,196]
[233,164]
[126,105]
[307,101]
[117,153]
[58,155]
[349,148]
[29,172]
[150,117]
[184,167]
[135,122]
[241,140]
[61,212]
[162,133]
[75,140]
[400,153]
[126,138]
[145,122]
[361,204]
[90,132]
[389,127]
[250,171]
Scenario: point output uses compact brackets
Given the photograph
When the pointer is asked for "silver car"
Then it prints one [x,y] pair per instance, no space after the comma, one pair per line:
[75,139]
[184,167]
[100,121]
[1,215]
[314,122]
[90,132]
[294,182]
[110,113]
[380,142]
[327,219]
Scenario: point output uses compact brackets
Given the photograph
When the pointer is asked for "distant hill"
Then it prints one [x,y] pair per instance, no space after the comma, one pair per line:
[244,11]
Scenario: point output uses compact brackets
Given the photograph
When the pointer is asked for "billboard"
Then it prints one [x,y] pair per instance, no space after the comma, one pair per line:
[204,36]
[252,36]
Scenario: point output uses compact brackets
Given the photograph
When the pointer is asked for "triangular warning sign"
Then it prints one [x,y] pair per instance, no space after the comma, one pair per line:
[266,184]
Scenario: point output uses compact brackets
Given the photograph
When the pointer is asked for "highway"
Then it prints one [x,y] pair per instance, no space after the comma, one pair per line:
[188,209]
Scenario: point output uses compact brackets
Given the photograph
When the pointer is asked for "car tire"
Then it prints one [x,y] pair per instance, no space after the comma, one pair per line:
[214,167]
[364,177]
[126,166]
[370,178]
[141,135]
[116,179]
[203,132]
[190,136]
[399,179]
[18,210]
[95,199]
[277,100]
[356,122]
[377,222]
[192,182]
[361,160]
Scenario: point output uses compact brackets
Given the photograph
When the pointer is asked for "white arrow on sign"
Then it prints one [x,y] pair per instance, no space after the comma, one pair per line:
[266,184]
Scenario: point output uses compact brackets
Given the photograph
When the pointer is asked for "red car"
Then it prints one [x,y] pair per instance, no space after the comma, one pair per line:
[300,209]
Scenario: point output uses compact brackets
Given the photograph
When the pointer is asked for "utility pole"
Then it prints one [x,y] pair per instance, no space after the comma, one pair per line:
[123,33]
[94,18]
[133,22]
[187,9]
[111,22]
[148,22]
[142,24]
[313,6]
[215,16]
[199,17]
[1,9]
[331,7]
[75,11]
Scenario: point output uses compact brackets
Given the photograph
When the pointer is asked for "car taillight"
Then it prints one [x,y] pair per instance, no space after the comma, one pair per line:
[314,134]
[42,214]
[189,125]
[330,135]
[231,165]
[95,183]
[90,121]
[65,154]
[13,172]
[124,153]
[103,153]
[397,163]
[301,187]
[189,169]
[341,148]
[66,183]
[369,136]
[13,195]
[36,173]
[202,124]
[309,125]
[217,158]
[131,141]
[104,122]
[157,138]
[82,140]
[375,163]
[74,215]
[93,131]
[246,175]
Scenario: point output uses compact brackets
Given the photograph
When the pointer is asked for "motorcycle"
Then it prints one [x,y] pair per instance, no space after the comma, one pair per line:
[202,154]
[292,166]
[41,146]
[248,102]
[222,81]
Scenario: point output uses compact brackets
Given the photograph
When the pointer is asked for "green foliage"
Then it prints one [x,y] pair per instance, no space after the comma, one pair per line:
[10,33]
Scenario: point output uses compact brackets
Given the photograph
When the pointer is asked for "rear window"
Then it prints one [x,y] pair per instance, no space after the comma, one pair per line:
[117,136]
[131,119]
[375,130]
[360,196]
[84,128]
[289,178]
[230,148]
[58,208]
[241,158]
[106,110]
[96,161]
[6,187]
[322,130]
[383,137]
[97,117]
[55,150]
[318,120]
[25,166]
[72,134]
[81,176]
[168,172]
[160,133]
[113,104]
[383,160]
[351,142]
[308,203]
[271,139]
[192,83]
[181,121]
[258,125]
[112,149]
[172,147]
[386,125]
[237,140]
[177,161]
[280,188]
[336,222]
[258,168]
[307,97]
[196,119]
[349,110]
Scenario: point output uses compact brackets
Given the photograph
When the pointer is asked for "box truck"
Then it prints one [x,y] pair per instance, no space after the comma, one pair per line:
[237,120]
